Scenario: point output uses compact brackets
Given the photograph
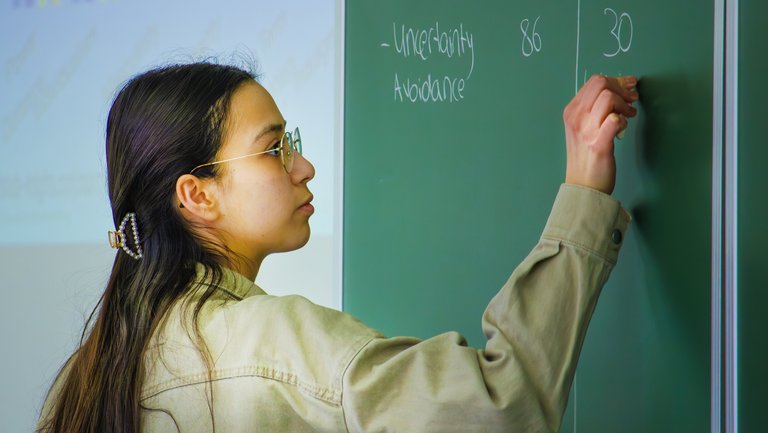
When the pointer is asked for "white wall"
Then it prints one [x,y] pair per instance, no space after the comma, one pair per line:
[60,64]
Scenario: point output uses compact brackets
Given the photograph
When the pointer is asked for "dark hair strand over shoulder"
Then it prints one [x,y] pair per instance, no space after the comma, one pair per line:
[161,124]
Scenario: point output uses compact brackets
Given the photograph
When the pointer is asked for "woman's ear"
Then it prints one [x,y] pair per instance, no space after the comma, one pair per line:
[197,198]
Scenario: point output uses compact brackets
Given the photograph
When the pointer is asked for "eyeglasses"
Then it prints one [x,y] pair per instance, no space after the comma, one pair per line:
[289,143]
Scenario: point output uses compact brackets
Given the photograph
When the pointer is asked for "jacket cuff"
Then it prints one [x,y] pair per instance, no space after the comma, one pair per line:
[588,219]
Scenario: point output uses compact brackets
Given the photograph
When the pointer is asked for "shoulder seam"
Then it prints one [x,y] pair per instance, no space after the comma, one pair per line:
[361,344]
[327,394]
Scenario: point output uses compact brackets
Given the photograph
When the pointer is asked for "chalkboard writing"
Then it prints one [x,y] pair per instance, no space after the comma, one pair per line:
[532,40]
[623,42]
[423,44]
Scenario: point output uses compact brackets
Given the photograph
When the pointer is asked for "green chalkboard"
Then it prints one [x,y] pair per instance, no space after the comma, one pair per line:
[448,184]
[752,217]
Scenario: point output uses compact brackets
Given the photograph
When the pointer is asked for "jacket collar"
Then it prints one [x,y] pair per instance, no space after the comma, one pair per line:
[231,282]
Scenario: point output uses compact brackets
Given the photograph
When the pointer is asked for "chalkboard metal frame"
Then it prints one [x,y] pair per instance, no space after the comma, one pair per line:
[717,220]
[729,313]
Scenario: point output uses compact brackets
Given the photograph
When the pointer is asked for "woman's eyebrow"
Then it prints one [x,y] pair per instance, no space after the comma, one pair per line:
[275,127]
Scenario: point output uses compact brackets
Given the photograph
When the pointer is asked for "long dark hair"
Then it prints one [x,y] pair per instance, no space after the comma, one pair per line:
[162,123]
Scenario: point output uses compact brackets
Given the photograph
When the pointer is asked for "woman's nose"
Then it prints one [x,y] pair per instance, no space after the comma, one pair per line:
[303,170]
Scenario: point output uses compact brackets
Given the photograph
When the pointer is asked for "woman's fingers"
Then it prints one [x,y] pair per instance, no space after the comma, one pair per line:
[595,116]
[609,102]
[629,83]
[612,126]
[622,86]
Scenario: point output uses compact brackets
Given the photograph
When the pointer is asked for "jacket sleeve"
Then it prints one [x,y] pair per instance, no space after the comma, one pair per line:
[535,326]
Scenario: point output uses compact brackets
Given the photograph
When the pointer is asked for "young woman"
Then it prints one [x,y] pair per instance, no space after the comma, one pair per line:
[205,180]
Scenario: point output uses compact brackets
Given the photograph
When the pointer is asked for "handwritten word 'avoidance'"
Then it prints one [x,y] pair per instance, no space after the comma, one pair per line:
[445,89]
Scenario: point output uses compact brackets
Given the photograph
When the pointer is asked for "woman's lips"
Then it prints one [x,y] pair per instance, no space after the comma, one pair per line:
[307,206]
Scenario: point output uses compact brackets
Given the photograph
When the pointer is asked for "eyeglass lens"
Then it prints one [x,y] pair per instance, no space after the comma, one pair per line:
[291,143]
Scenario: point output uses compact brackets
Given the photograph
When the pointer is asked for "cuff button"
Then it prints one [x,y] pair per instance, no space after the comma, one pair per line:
[616,236]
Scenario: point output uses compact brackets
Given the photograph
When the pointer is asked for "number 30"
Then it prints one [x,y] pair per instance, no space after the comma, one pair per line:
[618,21]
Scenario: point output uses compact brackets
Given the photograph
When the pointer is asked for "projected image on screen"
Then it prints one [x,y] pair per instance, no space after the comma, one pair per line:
[62,61]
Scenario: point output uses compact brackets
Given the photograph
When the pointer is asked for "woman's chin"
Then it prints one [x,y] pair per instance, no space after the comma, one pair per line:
[299,241]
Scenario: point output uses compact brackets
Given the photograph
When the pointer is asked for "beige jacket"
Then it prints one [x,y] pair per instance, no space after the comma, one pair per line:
[283,364]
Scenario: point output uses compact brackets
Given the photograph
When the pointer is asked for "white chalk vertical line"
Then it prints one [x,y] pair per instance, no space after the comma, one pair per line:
[576,90]
[578,35]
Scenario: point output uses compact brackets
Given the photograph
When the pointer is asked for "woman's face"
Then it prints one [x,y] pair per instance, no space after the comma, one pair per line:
[263,208]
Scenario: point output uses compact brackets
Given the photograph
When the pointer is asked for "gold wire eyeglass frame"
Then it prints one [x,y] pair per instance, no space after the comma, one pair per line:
[289,142]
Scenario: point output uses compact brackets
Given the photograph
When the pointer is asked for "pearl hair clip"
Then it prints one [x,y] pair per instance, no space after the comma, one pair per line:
[117,238]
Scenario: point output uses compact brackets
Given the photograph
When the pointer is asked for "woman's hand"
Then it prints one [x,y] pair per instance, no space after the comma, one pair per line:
[592,119]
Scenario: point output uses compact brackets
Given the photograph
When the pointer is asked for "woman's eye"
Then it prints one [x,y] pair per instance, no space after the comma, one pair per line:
[275,149]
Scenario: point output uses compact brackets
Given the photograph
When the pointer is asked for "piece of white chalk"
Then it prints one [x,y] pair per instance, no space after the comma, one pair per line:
[622,119]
